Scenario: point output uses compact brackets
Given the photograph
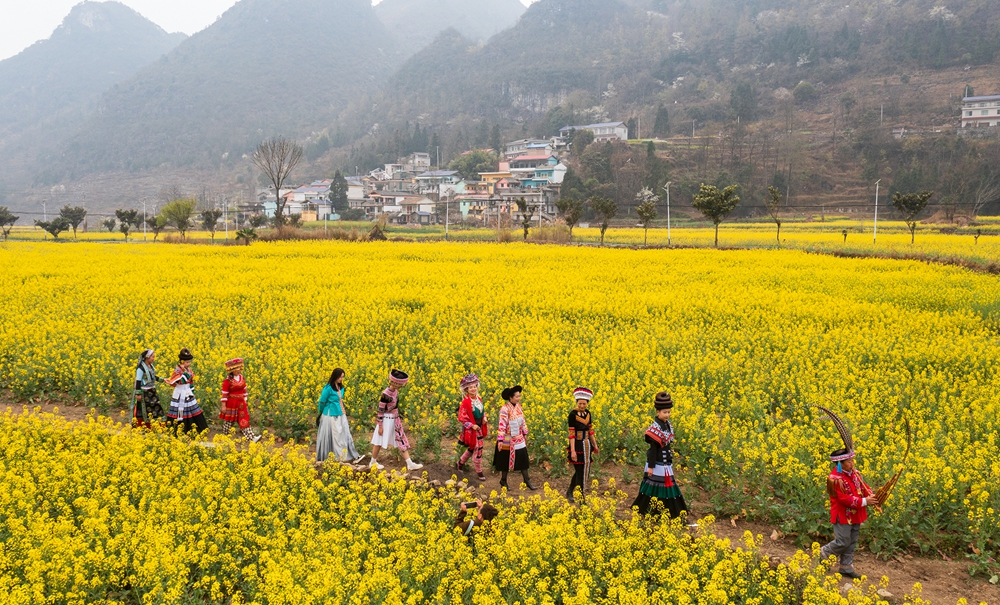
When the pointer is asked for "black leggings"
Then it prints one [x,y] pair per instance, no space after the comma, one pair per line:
[576,481]
[198,422]
[503,478]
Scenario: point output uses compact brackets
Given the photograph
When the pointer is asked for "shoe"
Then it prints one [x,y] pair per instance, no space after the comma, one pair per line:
[460,467]
[255,438]
[503,485]
[849,574]
[358,459]
[413,466]
[530,486]
[374,464]
[481,477]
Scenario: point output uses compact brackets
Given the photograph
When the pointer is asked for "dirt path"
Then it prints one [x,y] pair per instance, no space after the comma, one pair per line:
[943,582]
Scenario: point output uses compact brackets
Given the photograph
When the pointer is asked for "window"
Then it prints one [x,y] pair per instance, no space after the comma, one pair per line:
[986,112]
[968,113]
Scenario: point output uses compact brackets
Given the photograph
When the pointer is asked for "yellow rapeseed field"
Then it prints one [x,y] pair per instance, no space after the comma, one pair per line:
[746,341]
[94,512]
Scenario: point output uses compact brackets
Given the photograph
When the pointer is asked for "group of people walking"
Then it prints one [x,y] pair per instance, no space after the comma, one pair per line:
[849,495]
[184,409]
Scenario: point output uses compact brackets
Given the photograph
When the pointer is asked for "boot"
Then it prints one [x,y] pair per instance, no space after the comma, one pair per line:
[412,465]
[503,480]
[527,481]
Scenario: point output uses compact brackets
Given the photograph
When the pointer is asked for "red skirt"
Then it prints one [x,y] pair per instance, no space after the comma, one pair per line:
[239,414]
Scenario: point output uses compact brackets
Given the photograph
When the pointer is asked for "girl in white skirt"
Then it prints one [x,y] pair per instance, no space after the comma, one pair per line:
[333,435]
[389,429]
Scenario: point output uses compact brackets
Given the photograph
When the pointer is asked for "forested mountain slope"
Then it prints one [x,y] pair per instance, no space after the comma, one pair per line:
[416,23]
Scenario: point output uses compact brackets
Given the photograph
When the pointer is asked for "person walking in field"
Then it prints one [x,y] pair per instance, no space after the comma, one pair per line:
[475,429]
[389,429]
[511,453]
[333,435]
[582,442]
[234,410]
[183,404]
[146,405]
[658,484]
[850,498]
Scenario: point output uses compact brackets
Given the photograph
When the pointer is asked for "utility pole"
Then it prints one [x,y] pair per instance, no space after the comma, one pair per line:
[667,187]
[447,204]
[875,230]
[225,215]
[144,220]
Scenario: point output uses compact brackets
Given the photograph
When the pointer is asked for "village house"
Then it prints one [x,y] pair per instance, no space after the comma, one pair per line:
[528,147]
[979,112]
[607,131]
[435,181]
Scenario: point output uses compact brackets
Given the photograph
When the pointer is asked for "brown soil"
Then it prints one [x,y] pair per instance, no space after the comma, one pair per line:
[943,582]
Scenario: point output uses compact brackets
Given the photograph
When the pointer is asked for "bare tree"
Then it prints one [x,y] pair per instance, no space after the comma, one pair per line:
[527,211]
[276,158]
[606,209]
[646,210]
[986,191]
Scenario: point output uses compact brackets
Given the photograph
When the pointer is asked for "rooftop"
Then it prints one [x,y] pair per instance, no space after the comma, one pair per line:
[590,126]
[986,98]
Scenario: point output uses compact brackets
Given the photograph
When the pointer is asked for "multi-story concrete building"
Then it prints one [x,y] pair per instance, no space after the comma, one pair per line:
[978,112]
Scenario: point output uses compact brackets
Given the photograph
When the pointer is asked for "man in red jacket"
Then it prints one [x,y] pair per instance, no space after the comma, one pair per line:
[849,498]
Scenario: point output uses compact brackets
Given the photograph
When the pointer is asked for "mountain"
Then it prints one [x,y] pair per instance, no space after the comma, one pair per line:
[48,87]
[265,67]
[416,23]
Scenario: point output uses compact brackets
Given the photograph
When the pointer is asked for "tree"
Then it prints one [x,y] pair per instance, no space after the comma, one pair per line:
[804,92]
[646,210]
[571,210]
[109,224]
[159,224]
[276,158]
[180,214]
[246,234]
[606,209]
[910,205]
[210,220]
[581,140]
[743,102]
[257,221]
[295,220]
[662,125]
[472,163]
[527,212]
[715,204]
[126,220]
[495,141]
[7,220]
[338,193]
[54,227]
[74,216]
[773,204]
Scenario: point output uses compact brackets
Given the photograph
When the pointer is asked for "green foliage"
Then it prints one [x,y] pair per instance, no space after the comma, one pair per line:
[661,127]
[581,140]
[257,221]
[910,205]
[109,224]
[54,227]
[743,102]
[496,144]
[180,214]
[126,220]
[606,209]
[571,209]
[210,220]
[74,215]
[646,210]
[247,234]
[527,212]
[470,164]
[338,193]
[595,163]
[804,92]
[716,204]
[7,220]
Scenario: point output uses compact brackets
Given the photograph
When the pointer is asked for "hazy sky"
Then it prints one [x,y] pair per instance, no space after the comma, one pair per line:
[27,21]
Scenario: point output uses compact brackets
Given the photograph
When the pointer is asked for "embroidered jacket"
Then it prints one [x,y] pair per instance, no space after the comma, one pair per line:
[234,392]
[472,417]
[390,408]
[847,492]
[659,436]
[512,428]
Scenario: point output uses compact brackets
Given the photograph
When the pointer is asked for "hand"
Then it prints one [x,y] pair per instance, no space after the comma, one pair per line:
[649,473]
[462,507]
[380,428]
[479,503]
[873,501]
[572,456]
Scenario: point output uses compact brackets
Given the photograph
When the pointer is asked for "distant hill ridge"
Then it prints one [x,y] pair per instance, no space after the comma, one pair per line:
[416,23]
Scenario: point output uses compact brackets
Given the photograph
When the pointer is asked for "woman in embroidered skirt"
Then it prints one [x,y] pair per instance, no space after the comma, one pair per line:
[234,401]
[146,401]
[472,417]
[389,429]
[183,404]
[582,441]
[511,453]
[658,483]
[333,436]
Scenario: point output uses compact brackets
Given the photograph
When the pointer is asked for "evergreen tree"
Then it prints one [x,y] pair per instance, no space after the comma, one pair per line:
[495,142]
[661,127]
[338,193]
